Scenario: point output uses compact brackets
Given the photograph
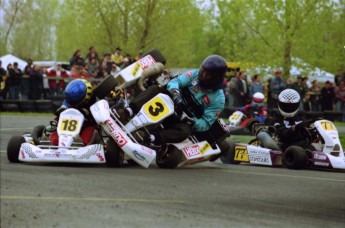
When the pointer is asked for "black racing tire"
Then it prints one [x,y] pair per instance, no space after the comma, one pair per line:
[13,148]
[37,133]
[114,156]
[157,55]
[104,88]
[228,155]
[295,157]
[168,158]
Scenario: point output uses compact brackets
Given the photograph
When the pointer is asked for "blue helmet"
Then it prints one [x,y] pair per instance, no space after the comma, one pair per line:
[212,72]
[78,92]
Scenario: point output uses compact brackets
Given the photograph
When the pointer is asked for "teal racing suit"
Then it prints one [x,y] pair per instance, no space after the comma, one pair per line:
[204,105]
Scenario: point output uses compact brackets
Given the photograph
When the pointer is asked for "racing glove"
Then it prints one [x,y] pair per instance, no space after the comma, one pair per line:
[177,97]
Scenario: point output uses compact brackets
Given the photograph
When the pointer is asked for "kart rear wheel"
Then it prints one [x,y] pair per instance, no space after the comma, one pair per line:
[168,157]
[114,156]
[104,88]
[13,148]
[228,156]
[295,157]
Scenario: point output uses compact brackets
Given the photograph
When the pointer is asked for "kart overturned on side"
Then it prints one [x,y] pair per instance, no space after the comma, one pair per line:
[152,111]
[265,149]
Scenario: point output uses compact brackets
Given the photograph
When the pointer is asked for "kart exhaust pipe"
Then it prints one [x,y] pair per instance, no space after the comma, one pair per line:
[154,69]
[267,140]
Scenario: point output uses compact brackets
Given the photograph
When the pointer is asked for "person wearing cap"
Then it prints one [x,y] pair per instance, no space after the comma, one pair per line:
[277,85]
[117,58]
[2,79]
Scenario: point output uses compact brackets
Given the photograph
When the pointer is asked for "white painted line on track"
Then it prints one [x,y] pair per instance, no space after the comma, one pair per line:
[124,200]
[10,129]
[278,175]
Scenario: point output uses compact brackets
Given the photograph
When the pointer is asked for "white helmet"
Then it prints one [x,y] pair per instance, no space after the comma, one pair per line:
[258,98]
[289,102]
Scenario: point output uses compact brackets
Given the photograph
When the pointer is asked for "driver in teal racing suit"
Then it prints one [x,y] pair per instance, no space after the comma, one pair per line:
[199,93]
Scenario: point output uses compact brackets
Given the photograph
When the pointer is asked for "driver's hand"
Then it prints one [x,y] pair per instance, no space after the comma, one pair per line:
[177,97]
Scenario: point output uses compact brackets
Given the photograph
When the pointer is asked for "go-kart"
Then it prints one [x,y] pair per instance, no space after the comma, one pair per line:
[152,112]
[325,149]
[36,146]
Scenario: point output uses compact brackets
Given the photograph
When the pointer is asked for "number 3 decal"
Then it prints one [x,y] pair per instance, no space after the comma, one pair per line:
[155,111]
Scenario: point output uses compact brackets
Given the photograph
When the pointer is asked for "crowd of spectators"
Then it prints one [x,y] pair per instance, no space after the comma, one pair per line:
[315,96]
[37,82]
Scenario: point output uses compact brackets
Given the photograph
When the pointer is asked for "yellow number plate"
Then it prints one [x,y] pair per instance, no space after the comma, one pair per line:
[204,148]
[135,69]
[156,109]
[241,154]
[327,126]
[70,125]
[235,116]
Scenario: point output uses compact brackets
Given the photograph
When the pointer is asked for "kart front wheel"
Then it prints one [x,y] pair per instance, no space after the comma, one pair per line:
[13,148]
[114,156]
[168,157]
[295,157]
[228,154]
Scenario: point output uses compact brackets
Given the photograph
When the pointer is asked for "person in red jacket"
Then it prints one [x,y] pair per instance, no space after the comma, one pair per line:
[57,86]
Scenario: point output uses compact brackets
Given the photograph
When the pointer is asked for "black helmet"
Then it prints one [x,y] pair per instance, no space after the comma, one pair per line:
[212,72]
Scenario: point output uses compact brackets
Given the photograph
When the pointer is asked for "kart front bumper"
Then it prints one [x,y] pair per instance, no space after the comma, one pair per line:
[88,154]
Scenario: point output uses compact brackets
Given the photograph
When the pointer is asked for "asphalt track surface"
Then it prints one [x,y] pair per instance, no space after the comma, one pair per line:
[202,195]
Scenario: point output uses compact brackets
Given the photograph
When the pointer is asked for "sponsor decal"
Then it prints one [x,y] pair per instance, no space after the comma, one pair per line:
[191,150]
[57,154]
[321,163]
[23,154]
[117,135]
[260,159]
[189,74]
[147,150]
[320,156]
[204,148]
[146,62]
[217,113]
[206,99]
[195,82]
[100,157]
[138,155]
[135,69]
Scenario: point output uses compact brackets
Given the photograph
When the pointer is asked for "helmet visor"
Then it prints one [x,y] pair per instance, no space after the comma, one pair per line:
[288,107]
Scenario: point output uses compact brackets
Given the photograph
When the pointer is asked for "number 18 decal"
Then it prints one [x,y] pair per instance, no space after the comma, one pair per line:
[69,125]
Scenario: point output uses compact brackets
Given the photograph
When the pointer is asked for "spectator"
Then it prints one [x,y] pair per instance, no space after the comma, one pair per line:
[117,58]
[301,88]
[327,97]
[76,59]
[268,94]
[57,86]
[256,86]
[2,79]
[46,89]
[92,54]
[14,80]
[314,98]
[36,83]
[138,56]
[289,83]
[78,71]
[340,99]
[25,85]
[93,64]
[232,89]
[242,91]
[115,70]
[277,85]
[5,89]
[127,60]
